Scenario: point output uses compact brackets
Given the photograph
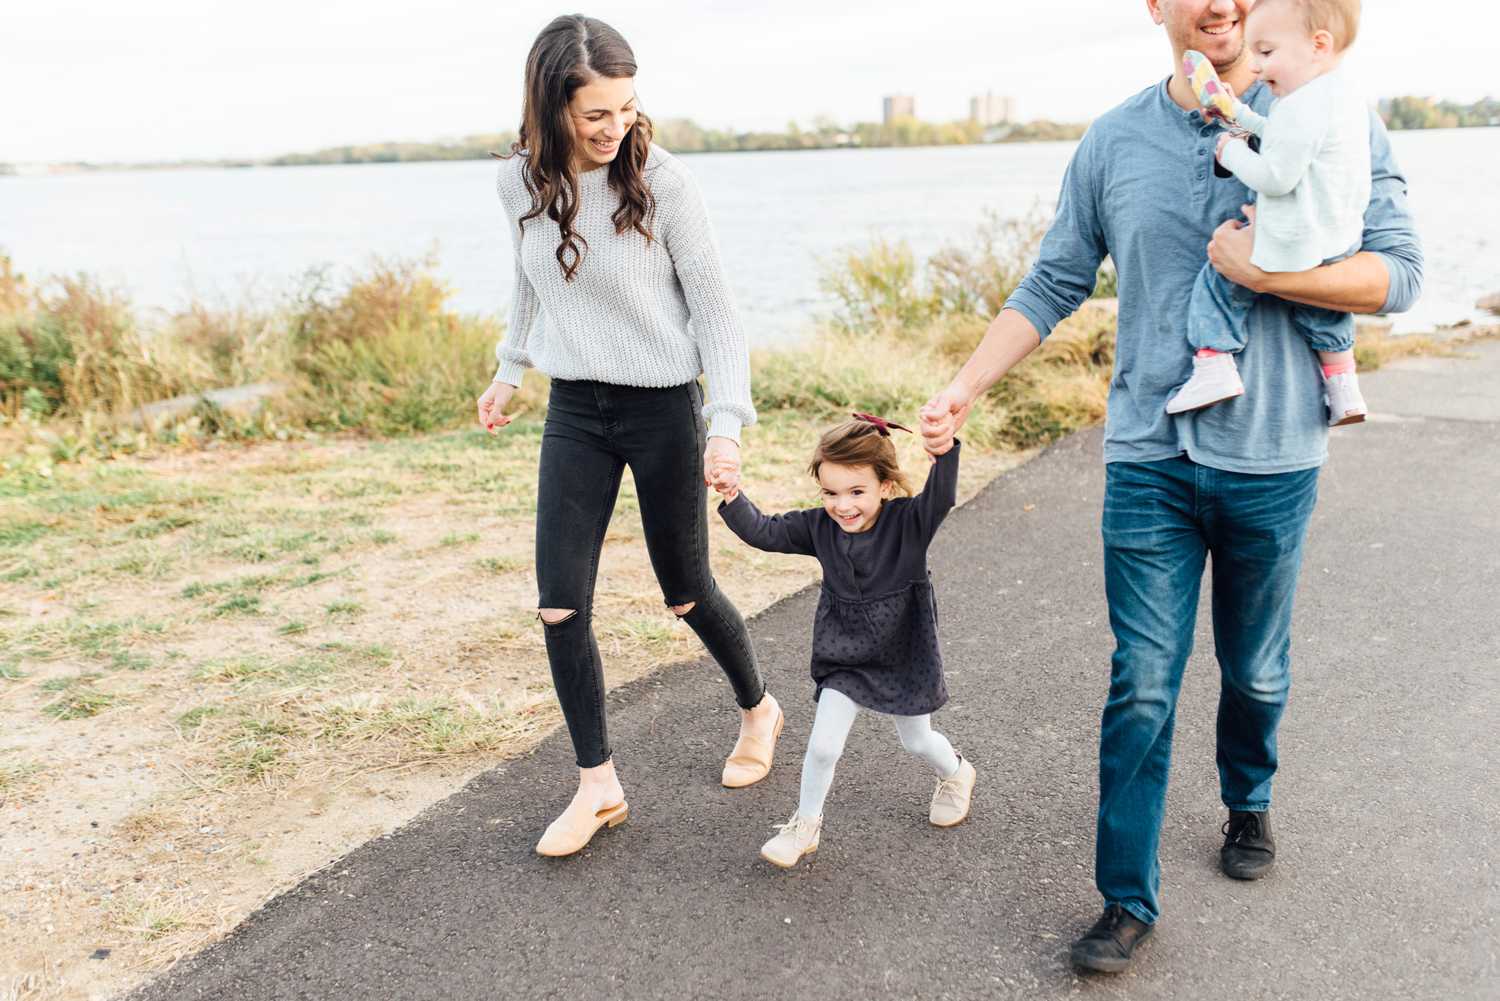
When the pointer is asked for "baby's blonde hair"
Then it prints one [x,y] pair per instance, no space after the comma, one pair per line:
[1340,18]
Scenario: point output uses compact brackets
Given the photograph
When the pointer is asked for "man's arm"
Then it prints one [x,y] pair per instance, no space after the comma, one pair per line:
[1060,281]
[1010,338]
[1384,277]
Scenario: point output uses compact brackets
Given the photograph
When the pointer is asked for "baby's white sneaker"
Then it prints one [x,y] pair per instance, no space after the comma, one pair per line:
[1345,403]
[1215,379]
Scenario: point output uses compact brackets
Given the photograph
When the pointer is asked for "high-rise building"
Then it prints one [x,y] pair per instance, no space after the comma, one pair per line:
[899,106]
[992,109]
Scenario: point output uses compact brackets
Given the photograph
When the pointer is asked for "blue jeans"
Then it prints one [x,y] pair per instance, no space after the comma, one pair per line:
[1161,520]
[1219,317]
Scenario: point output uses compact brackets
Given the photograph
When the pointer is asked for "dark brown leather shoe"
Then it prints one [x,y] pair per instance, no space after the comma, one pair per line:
[1249,851]
[1107,947]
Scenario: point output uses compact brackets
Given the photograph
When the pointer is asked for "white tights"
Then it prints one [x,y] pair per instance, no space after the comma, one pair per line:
[835,716]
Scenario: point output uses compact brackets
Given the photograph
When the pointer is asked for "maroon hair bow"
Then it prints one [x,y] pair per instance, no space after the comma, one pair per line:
[881,424]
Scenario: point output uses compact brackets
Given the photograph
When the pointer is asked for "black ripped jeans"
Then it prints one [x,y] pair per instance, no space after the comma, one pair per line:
[593,431]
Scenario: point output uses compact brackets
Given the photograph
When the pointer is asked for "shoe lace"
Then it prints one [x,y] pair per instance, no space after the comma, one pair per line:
[1237,829]
[797,825]
[950,786]
[1113,917]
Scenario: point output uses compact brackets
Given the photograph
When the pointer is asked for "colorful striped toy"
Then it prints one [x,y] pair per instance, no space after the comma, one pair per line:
[1212,94]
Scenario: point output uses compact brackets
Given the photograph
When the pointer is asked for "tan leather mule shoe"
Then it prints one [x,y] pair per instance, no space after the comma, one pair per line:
[750,761]
[571,831]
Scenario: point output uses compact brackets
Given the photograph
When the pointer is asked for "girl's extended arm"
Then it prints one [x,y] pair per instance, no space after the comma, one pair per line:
[939,494]
[776,533]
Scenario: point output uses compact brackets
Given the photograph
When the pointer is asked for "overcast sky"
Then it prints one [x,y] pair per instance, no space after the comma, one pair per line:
[168,79]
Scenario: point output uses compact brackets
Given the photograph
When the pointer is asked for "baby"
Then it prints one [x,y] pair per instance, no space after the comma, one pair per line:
[1312,176]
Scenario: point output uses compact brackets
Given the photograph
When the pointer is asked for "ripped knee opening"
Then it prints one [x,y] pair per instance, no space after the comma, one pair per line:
[681,610]
[555,616]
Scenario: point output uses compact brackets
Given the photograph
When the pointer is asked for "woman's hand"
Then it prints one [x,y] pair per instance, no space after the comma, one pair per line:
[492,403]
[721,467]
[1229,251]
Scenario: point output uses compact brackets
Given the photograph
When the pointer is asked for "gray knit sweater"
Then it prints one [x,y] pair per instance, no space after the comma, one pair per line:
[636,313]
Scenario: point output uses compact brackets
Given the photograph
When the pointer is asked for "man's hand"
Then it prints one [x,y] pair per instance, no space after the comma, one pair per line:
[942,416]
[1229,251]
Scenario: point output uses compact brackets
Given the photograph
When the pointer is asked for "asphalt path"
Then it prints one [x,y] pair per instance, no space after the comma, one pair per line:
[1386,804]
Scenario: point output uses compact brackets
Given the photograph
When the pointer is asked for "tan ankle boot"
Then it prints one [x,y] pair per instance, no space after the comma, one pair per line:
[573,830]
[950,800]
[794,839]
[750,761]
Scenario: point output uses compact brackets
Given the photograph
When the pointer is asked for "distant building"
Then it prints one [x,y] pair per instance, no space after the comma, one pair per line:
[899,106]
[991,109]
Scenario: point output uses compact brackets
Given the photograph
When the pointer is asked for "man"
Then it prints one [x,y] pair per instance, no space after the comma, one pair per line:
[1237,480]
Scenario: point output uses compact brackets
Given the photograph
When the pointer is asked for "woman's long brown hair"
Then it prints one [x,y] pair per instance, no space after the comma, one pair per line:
[570,52]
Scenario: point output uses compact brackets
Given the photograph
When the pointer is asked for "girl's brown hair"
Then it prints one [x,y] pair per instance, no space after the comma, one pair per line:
[859,443]
[570,52]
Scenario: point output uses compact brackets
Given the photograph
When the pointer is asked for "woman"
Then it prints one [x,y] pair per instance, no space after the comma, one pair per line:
[612,242]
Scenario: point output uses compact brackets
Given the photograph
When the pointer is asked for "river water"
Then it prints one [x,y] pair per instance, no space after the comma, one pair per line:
[164,237]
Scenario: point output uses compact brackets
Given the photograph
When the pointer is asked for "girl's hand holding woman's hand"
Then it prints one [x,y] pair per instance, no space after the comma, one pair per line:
[492,403]
[721,467]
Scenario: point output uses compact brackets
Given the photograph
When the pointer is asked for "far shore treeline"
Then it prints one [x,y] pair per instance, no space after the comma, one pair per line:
[682,135]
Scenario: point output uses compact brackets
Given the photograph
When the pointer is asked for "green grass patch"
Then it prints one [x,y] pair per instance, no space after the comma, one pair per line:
[196,717]
[18,573]
[433,726]
[16,534]
[113,641]
[238,604]
[235,669]
[458,539]
[67,682]
[500,565]
[291,629]
[160,526]
[357,655]
[316,577]
[80,703]
[344,610]
[257,747]
[15,776]
[125,660]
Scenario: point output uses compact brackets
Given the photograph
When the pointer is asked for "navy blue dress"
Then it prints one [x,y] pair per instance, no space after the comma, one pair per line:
[875,635]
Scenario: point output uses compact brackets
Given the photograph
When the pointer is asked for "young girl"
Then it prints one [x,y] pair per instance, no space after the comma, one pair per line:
[875,640]
[1312,178]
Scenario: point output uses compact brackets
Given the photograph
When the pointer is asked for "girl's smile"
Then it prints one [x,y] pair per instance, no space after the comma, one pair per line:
[852,495]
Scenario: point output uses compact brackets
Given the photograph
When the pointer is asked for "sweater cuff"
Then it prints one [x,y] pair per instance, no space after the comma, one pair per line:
[510,372]
[1237,154]
[725,425]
